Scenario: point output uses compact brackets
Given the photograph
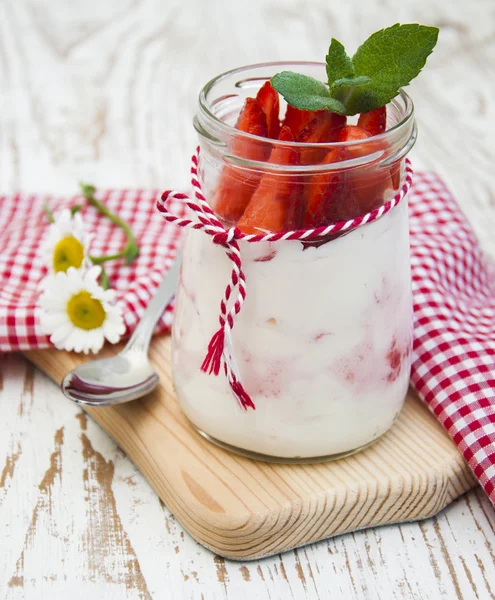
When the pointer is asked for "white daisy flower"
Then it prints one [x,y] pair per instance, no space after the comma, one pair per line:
[66,243]
[77,312]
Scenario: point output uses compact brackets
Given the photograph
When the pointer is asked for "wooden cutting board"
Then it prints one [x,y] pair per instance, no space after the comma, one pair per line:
[246,509]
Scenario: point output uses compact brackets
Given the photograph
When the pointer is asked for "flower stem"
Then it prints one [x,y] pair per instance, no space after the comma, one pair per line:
[104,280]
[131,249]
[48,212]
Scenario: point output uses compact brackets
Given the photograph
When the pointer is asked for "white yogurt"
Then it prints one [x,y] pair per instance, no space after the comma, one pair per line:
[322,343]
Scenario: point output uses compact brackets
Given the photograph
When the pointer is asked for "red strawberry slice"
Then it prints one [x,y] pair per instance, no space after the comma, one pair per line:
[325,194]
[367,184]
[352,133]
[395,175]
[392,182]
[297,119]
[252,119]
[270,103]
[236,186]
[276,203]
[374,121]
[324,128]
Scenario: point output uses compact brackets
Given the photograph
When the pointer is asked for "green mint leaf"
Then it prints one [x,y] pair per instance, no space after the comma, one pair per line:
[387,61]
[339,65]
[350,82]
[391,57]
[305,93]
[353,92]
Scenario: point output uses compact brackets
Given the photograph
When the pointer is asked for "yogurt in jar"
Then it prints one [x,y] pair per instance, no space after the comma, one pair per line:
[322,344]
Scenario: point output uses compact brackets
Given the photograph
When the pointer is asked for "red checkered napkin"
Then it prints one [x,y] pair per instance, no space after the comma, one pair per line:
[454,295]
[454,331]
[23,225]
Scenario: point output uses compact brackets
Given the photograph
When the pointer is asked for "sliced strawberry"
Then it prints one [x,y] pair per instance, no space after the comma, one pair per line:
[365,192]
[395,175]
[385,180]
[270,103]
[252,118]
[275,204]
[324,128]
[335,155]
[368,184]
[352,133]
[297,119]
[236,186]
[286,135]
[374,121]
[324,195]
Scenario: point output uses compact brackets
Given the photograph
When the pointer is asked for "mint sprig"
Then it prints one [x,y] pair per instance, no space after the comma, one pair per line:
[339,65]
[305,92]
[388,60]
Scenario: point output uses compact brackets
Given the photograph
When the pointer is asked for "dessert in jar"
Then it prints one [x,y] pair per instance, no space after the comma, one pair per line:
[322,342]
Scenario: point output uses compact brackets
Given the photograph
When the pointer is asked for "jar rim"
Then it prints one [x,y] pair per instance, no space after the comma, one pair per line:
[206,108]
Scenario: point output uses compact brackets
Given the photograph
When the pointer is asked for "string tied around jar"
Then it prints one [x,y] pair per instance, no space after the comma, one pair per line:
[220,348]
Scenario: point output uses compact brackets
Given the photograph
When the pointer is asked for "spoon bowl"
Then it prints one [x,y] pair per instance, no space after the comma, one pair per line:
[122,378]
[128,375]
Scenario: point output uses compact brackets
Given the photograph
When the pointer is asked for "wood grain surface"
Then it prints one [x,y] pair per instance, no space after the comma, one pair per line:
[105,91]
[245,509]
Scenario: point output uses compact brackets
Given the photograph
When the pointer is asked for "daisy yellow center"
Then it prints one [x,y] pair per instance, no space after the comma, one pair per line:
[69,252]
[86,312]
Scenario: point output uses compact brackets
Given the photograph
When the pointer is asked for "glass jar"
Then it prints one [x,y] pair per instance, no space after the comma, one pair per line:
[323,342]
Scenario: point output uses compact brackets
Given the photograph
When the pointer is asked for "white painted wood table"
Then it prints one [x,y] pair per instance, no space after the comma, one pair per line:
[105,90]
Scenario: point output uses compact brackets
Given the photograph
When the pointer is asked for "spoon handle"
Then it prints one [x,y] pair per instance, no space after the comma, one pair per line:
[140,339]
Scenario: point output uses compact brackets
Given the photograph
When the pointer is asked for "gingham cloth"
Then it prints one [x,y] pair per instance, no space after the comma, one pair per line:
[454,298]
[453,367]
[23,225]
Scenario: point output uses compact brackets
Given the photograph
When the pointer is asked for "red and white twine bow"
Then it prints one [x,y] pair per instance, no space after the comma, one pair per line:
[220,346]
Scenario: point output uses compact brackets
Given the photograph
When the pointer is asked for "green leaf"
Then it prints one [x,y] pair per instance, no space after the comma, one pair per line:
[104,280]
[131,253]
[391,57]
[346,82]
[48,212]
[387,61]
[353,92]
[75,209]
[339,65]
[305,93]
[87,189]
